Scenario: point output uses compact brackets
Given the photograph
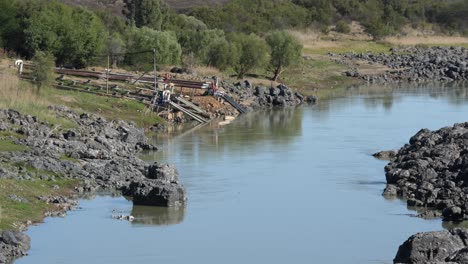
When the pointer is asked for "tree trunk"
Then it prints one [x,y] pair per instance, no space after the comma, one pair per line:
[277,73]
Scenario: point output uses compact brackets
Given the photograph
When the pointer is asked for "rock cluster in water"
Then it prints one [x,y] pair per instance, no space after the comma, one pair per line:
[432,172]
[414,64]
[435,247]
[101,153]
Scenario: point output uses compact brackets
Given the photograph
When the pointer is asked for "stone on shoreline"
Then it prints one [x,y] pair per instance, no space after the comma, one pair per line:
[13,245]
[435,247]
[385,155]
[161,187]
[157,193]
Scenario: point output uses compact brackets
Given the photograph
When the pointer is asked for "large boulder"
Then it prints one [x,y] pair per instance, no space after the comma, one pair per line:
[385,155]
[165,172]
[156,193]
[433,247]
[13,245]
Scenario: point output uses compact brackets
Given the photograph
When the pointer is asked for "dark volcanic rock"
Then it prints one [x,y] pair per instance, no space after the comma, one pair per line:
[432,171]
[385,155]
[434,247]
[160,188]
[165,172]
[157,193]
[263,97]
[13,245]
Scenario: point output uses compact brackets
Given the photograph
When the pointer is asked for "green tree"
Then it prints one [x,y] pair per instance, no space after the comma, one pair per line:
[10,27]
[184,22]
[253,16]
[146,13]
[73,35]
[143,40]
[43,73]
[252,52]
[199,42]
[377,29]
[115,47]
[285,50]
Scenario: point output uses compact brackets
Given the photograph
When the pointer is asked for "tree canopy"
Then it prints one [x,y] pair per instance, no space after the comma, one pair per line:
[52,27]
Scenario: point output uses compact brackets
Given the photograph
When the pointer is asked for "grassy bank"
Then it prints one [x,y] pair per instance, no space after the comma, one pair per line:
[19,201]
[14,213]
[26,98]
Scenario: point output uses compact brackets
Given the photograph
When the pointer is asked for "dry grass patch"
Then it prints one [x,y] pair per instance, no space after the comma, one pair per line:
[427,40]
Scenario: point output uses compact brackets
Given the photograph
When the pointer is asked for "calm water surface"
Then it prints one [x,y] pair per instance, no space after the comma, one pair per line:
[290,186]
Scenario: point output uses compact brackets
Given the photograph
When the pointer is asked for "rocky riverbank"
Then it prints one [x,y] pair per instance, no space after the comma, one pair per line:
[410,64]
[261,97]
[431,172]
[100,154]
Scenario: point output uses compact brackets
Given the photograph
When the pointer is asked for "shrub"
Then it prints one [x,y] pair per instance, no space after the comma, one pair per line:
[43,73]
[342,27]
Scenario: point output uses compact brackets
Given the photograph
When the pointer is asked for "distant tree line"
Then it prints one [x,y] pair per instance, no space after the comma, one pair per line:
[240,36]
[379,17]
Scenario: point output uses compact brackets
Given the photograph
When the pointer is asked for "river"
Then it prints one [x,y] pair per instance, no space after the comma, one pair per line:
[286,186]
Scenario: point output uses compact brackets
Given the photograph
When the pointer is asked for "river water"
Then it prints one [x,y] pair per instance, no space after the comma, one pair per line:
[286,186]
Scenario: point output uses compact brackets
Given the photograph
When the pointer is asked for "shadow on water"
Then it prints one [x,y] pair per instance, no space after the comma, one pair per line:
[157,216]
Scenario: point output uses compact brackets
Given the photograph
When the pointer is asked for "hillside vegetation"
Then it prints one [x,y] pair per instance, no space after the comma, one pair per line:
[220,34]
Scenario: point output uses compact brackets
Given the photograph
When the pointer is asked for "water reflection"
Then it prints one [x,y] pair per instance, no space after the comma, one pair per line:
[388,95]
[244,135]
[157,216]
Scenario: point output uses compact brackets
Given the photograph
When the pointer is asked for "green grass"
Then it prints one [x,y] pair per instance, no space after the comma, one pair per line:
[346,46]
[6,134]
[12,213]
[66,158]
[110,108]
[7,145]
[319,73]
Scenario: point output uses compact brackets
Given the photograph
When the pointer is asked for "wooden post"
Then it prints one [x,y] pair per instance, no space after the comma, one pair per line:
[107,74]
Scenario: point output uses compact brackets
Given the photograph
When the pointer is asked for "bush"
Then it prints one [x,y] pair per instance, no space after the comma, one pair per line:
[43,73]
[377,29]
[221,55]
[342,27]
